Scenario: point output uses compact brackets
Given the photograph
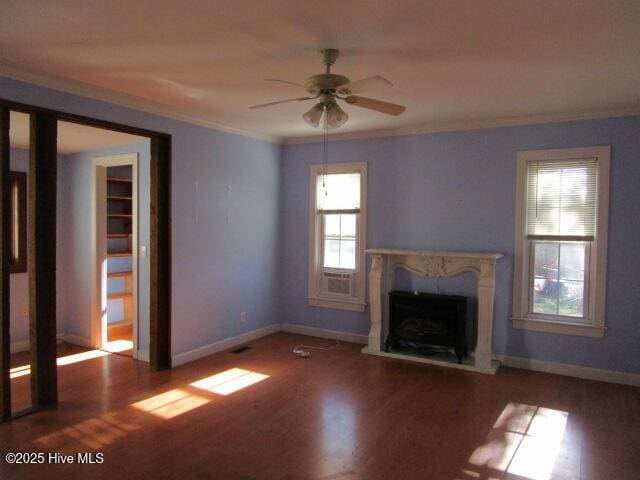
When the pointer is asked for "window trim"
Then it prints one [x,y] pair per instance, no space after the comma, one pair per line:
[316,297]
[522,317]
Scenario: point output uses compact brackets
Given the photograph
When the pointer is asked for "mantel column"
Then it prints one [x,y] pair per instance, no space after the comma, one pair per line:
[486,287]
[376,277]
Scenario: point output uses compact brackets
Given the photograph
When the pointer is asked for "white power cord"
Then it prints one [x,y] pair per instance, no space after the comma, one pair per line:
[300,352]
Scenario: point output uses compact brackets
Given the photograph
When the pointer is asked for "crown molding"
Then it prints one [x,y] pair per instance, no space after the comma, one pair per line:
[466,125]
[122,99]
[129,101]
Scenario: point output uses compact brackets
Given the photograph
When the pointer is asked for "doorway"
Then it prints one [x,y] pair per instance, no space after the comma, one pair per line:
[42,248]
[116,263]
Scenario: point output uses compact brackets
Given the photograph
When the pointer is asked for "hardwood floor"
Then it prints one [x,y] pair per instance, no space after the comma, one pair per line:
[266,414]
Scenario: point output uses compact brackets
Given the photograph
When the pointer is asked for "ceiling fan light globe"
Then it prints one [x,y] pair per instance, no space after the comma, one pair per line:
[314,115]
[336,117]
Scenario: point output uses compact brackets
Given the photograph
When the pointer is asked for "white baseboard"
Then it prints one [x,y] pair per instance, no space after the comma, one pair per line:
[200,352]
[22,346]
[142,355]
[610,376]
[75,339]
[324,333]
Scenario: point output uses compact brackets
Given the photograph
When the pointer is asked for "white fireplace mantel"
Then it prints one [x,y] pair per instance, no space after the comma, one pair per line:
[385,261]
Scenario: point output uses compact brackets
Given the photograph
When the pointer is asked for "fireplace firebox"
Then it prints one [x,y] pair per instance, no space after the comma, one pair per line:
[422,321]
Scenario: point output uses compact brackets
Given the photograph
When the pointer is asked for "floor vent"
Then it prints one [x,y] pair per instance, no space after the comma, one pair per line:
[240,350]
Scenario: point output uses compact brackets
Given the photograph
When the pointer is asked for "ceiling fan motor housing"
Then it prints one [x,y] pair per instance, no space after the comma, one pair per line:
[325,82]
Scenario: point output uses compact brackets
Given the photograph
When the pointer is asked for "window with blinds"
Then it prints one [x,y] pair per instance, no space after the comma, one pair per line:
[562,211]
[338,193]
[561,224]
[562,200]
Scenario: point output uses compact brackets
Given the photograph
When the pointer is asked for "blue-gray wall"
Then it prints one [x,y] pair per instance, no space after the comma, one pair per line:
[456,191]
[226,261]
[240,239]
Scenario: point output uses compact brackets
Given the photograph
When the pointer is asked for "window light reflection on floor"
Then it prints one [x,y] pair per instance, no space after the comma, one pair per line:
[229,381]
[178,401]
[170,404]
[524,443]
[94,433]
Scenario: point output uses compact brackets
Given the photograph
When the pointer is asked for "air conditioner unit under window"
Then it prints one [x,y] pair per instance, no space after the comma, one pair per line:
[338,283]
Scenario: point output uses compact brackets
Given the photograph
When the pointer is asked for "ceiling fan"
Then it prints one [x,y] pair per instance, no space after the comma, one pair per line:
[329,88]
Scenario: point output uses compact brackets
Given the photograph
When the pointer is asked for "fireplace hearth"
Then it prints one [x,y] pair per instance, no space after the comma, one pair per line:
[427,323]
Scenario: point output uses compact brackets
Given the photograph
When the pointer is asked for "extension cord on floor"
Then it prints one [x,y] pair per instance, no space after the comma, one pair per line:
[298,352]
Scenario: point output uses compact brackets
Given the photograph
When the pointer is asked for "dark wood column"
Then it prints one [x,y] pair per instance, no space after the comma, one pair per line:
[42,259]
[160,310]
[5,258]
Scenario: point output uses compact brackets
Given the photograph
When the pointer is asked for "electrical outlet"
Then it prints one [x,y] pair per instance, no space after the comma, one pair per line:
[243,317]
[24,311]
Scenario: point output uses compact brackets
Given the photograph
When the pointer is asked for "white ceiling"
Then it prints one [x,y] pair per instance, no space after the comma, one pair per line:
[72,138]
[452,62]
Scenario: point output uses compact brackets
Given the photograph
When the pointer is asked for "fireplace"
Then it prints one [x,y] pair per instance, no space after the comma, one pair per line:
[421,321]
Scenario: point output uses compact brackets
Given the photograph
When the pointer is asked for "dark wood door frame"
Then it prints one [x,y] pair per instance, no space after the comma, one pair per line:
[41,263]
[42,250]
[5,255]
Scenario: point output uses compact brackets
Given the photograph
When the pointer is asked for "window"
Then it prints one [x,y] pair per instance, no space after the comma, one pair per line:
[561,236]
[18,196]
[337,236]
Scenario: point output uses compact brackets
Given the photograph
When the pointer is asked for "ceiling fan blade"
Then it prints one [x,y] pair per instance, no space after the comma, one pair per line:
[377,105]
[362,85]
[282,101]
[284,81]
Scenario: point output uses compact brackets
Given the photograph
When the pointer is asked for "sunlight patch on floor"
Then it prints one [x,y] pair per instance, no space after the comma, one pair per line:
[229,381]
[81,357]
[19,371]
[116,346]
[524,443]
[61,361]
[171,404]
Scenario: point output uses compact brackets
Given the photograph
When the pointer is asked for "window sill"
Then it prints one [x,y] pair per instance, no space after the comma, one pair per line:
[563,328]
[338,304]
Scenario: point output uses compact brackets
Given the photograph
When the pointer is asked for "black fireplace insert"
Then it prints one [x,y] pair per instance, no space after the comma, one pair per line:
[422,321]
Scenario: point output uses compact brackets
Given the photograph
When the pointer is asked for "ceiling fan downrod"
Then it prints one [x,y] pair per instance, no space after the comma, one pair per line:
[329,57]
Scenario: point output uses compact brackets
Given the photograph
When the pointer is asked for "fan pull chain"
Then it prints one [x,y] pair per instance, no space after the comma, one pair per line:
[326,146]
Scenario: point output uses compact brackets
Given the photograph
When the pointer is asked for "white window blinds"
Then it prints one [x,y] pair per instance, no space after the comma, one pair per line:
[561,200]
[339,194]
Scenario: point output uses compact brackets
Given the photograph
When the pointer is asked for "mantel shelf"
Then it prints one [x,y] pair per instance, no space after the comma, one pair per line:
[433,253]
